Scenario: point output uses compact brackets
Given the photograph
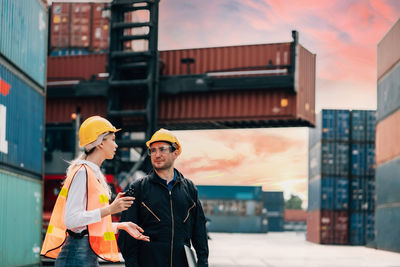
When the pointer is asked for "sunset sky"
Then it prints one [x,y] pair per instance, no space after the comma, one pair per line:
[344,36]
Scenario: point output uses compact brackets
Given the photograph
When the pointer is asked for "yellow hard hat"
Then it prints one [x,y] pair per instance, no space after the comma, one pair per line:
[166,136]
[92,127]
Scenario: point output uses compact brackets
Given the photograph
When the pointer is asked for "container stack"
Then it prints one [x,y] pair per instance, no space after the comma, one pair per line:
[387,142]
[341,177]
[362,177]
[23,50]
[79,28]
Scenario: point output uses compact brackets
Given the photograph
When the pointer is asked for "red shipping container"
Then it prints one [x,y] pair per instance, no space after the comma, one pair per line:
[388,138]
[59,28]
[295,215]
[81,19]
[388,50]
[327,227]
[100,34]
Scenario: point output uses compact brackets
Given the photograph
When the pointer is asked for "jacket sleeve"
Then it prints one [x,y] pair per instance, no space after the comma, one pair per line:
[126,243]
[199,234]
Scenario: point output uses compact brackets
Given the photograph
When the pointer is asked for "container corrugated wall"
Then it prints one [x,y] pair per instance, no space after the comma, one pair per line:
[76,67]
[387,141]
[20,220]
[388,50]
[225,58]
[25,42]
[306,84]
[60,110]
[22,121]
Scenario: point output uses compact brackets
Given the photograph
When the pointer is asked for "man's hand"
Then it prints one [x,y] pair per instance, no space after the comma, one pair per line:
[134,230]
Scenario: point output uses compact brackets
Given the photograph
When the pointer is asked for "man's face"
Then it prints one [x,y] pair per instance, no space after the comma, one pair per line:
[161,156]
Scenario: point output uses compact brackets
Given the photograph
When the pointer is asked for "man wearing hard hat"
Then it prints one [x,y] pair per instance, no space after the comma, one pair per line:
[168,209]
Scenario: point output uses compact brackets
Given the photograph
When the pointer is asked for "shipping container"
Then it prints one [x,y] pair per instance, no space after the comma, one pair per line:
[389,93]
[295,215]
[386,221]
[358,159]
[358,125]
[229,192]
[80,25]
[328,193]
[327,227]
[388,183]
[332,125]
[275,224]
[23,31]
[371,125]
[358,187]
[388,54]
[20,219]
[388,138]
[274,201]
[357,228]
[369,227]
[342,159]
[370,159]
[22,122]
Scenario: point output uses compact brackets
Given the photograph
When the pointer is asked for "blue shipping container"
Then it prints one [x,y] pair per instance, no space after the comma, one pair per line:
[328,193]
[389,93]
[387,219]
[23,31]
[328,158]
[370,159]
[357,189]
[235,224]
[230,192]
[358,159]
[370,126]
[342,126]
[358,125]
[341,159]
[22,121]
[370,194]
[388,183]
[357,228]
[274,201]
[369,227]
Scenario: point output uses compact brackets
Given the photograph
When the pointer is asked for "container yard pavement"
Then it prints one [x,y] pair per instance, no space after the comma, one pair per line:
[290,249]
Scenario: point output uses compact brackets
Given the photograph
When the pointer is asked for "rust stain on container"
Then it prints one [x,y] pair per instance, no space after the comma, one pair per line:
[388,50]
[388,138]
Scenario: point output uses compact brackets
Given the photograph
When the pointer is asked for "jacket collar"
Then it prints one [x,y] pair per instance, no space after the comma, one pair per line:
[155,178]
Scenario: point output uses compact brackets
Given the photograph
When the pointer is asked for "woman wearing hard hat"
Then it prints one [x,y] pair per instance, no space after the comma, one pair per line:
[80,228]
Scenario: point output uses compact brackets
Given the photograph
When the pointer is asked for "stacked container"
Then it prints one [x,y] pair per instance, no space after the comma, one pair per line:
[387,142]
[327,218]
[79,28]
[23,42]
[341,171]
[362,177]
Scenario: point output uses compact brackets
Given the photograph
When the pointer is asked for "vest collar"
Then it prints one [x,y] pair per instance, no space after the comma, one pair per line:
[92,165]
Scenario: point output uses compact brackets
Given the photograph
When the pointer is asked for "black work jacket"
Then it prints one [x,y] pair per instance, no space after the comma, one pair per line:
[170,218]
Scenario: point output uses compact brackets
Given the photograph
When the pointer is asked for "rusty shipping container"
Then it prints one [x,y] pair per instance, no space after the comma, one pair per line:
[229,108]
[79,25]
[388,50]
[327,227]
[388,138]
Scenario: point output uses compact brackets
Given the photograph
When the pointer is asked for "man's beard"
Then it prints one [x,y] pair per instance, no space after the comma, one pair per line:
[166,166]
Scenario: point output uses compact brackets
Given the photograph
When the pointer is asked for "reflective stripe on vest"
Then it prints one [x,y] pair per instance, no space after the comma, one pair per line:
[101,234]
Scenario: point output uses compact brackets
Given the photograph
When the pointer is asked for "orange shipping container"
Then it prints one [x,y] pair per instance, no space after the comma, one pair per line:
[388,50]
[59,27]
[81,20]
[388,138]
[295,215]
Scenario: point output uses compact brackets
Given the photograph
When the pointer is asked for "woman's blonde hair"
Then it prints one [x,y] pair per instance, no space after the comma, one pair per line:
[102,179]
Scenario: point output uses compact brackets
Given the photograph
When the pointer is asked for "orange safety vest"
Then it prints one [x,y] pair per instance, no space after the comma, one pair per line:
[101,234]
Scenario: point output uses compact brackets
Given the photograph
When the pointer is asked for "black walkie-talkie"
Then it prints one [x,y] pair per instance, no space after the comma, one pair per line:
[130,192]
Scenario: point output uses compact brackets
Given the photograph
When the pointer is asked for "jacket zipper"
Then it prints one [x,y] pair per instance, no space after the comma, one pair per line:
[188,213]
[172,220]
[151,211]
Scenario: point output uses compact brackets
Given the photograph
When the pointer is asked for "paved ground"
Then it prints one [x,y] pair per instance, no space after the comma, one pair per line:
[289,249]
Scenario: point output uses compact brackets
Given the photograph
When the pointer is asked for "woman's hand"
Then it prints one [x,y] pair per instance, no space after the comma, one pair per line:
[134,230]
[120,203]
